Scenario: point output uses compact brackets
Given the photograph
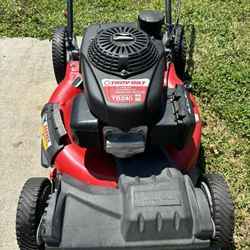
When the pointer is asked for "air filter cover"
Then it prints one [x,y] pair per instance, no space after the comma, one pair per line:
[122,50]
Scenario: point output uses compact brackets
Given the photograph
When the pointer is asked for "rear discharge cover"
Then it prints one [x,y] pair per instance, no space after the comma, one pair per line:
[163,211]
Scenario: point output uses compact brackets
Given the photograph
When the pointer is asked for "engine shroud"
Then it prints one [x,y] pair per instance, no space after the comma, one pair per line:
[123,69]
[122,50]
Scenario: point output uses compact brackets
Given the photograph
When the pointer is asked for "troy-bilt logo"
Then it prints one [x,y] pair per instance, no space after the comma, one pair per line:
[131,82]
[125,91]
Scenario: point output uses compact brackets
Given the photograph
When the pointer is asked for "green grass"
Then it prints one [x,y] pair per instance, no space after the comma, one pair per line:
[218,66]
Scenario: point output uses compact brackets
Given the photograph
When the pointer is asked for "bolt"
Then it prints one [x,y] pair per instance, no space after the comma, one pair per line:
[124,72]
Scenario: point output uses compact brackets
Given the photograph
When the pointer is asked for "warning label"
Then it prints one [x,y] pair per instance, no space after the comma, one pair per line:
[125,91]
[45,133]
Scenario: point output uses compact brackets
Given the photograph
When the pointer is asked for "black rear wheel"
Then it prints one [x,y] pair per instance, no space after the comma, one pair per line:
[222,209]
[180,50]
[31,205]
[59,52]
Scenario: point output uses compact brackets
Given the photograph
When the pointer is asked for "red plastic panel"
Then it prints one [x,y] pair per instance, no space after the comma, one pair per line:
[88,165]
[94,166]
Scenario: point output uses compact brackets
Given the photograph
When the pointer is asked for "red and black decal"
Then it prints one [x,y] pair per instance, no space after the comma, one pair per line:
[125,91]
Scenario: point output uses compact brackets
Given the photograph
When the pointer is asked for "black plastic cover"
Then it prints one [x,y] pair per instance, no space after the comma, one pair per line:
[83,125]
[163,211]
[56,133]
[122,50]
[151,22]
[121,115]
[175,127]
[178,122]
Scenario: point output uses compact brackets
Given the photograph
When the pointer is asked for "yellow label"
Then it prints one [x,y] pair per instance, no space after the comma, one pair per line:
[45,133]
[45,143]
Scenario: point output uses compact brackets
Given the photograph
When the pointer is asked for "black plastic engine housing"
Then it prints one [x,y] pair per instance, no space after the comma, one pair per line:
[122,53]
[175,127]
[177,123]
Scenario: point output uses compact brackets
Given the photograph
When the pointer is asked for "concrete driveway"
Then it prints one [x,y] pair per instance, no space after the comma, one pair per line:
[26,82]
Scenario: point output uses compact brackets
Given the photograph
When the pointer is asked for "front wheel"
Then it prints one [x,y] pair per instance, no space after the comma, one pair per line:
[222,209]
[31,205]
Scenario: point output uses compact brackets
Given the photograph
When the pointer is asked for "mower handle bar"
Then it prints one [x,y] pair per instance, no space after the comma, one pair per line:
[70,17]
[168,16]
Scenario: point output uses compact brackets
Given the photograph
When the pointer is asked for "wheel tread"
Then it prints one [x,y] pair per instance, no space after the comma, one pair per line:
[223,209]
[180,50]
[59,52]
[28,212]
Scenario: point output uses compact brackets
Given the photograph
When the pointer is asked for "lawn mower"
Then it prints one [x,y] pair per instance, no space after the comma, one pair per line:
[121,134]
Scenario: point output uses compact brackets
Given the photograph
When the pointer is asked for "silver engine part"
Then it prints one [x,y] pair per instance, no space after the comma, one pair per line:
[125,144]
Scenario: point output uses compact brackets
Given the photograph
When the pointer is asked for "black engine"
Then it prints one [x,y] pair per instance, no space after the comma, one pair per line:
[123,70]
[124,104]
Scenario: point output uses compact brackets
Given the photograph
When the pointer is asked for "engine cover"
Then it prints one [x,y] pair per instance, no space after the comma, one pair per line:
[122,68]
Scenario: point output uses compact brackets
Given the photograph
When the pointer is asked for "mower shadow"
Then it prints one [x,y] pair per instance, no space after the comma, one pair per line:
[201,163]
[188,75]
[190,60]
